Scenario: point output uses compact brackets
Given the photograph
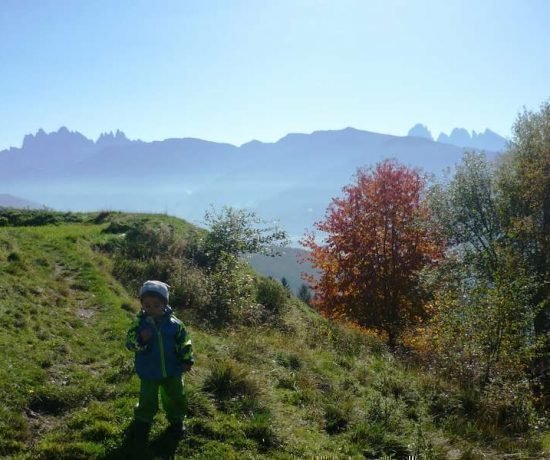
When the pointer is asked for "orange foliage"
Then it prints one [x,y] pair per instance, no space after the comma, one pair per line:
[377,240]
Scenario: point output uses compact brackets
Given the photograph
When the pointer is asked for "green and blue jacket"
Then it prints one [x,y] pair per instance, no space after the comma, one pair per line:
[168,350]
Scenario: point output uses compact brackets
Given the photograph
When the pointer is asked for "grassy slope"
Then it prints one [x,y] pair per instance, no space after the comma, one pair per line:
[303,388]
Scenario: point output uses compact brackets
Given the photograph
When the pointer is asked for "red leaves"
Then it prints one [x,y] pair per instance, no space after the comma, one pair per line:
[377,240]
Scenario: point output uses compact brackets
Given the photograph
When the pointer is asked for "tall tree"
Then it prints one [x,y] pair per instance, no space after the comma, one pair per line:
[378,238]
[466,209]
[524,180]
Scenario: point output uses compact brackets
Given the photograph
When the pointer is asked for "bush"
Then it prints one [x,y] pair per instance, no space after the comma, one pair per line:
[190,287]
[508,407]
[271,295]
[131,273]
[231,291]
[386,411]
[143,241]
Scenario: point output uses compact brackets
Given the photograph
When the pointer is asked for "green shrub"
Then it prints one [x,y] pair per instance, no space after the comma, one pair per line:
[386,411]
[422,447]
[144,241]
[508,407]
[132,273]
[102,217]
[190,287]
[271,295]
[231,292]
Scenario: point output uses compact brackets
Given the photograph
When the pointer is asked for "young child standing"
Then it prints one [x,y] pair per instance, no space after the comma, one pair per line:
[163,352]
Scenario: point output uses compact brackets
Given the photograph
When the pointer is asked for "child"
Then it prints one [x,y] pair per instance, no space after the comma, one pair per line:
[163,353]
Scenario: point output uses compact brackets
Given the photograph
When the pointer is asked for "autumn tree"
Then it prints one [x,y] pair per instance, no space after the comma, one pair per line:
[378,238]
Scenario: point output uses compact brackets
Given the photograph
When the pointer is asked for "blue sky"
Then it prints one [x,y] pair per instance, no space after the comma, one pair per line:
[235,70]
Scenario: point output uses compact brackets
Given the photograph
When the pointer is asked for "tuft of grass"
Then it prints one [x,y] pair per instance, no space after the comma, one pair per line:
[545,443]
[374,441]
[260,428]
[79,450]
[198,403]
[229,380]
[14,257]
[289,360]
[338,415]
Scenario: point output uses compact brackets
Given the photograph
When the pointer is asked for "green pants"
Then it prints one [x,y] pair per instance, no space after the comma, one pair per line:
[172,396]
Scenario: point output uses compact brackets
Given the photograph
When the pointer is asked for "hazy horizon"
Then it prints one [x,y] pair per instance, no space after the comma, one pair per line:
[115,130]
[234,72]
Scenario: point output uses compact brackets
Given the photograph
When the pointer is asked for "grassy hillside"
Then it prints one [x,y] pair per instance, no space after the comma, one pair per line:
[294,387]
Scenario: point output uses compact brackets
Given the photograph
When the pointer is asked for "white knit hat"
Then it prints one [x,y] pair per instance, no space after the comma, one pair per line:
[155,287]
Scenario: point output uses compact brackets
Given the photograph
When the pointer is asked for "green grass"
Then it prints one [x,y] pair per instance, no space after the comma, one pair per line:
[299,387]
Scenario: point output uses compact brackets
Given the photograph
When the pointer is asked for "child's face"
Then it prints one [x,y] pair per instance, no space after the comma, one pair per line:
[152,306]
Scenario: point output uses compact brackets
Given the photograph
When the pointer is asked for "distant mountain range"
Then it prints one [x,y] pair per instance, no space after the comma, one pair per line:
[487,140]
[291,180]
[10,201]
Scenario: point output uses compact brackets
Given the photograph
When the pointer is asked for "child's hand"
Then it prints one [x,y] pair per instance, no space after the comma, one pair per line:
[145,335]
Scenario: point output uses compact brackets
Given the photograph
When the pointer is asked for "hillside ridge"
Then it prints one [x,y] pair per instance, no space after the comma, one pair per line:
[300,385]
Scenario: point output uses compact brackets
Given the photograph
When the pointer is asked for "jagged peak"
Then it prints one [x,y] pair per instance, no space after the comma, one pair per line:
[420,130]
[41,136]
[109,138]
[486,140]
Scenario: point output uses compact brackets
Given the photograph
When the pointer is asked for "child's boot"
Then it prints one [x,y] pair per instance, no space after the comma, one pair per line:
[141,432]
[177,429]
